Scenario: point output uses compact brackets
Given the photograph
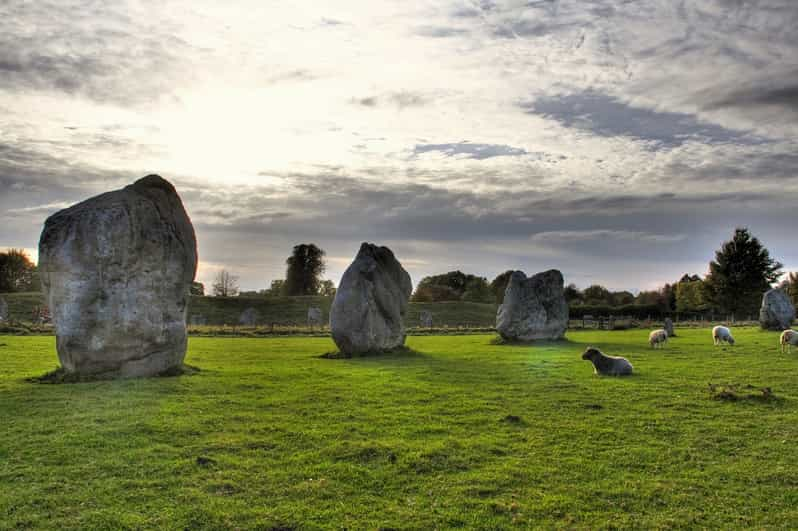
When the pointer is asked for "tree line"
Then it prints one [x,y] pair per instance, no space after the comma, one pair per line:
[740,273]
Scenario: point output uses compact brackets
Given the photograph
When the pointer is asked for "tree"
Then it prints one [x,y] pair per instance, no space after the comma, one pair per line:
[17,271]
[790,285]
[225,284]
[572,294]
[478,290]
[453,286]
[741,272]
[197,288]
[597,295]
[327,288]
[499,285]
[690,296]
[276,289]
[305,267]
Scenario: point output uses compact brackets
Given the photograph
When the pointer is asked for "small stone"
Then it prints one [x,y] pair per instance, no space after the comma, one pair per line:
[777,311]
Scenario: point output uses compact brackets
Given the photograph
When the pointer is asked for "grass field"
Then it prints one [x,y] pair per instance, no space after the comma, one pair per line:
[460,432]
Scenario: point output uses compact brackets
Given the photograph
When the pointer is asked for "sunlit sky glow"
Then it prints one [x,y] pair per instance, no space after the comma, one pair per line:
[618,141]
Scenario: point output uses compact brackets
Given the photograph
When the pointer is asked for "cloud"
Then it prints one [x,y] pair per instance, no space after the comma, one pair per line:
[606,115]
[103,54]
[400,99]
[470,151]
[439,32]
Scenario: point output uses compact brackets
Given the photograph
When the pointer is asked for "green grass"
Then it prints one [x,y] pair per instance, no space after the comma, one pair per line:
[458,433]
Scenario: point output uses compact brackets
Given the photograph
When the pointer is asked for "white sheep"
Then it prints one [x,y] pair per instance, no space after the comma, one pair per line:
[607,365]
[721,334]
[657,337]
[788,339]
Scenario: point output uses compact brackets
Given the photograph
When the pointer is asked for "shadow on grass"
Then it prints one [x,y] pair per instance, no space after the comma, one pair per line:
[563,342]
[404,352]
[61,376]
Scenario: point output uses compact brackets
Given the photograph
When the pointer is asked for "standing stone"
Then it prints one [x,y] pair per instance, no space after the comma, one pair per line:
[533,308]
[315,316]
[116,271]
[668,326]
[249,317]
[367,314]
[425,318]
[777,311]
[3,310]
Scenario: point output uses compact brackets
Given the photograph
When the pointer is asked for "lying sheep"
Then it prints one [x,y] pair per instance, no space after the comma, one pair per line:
[721,334]
[788,339]
[607,365]
[658,337]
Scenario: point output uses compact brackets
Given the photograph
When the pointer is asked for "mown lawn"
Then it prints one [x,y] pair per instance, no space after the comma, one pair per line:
[459,433]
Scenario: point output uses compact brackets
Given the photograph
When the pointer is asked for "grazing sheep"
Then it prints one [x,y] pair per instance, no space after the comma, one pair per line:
[788,339]
[658,337]
[607,365]
[721,334]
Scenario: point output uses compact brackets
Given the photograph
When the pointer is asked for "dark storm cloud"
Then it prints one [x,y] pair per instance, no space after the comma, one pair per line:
[471,151]
[607,116]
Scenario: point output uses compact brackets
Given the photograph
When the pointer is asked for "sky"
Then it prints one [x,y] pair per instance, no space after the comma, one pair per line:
[619,141]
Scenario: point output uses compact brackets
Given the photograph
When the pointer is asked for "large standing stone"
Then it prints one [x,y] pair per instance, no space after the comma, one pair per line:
[3,310]
[425,318]
[668,326]
[315,316]
[533,308]
[369,306]
[116,271]
[249,317]
[777,311]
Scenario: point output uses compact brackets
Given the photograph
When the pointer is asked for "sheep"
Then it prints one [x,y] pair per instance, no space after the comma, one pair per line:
[657,337]
[721,334]
[607,365]
[788,339]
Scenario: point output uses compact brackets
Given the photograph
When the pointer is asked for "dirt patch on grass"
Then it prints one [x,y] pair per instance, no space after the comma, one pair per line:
[737,392]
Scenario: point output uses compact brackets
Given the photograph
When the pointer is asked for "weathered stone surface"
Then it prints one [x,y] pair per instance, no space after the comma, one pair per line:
[533,308]
[367,314]
[249,317]
[425,319]
[777,311]
[3,309]
[668,326]
[116,271]
[315,316]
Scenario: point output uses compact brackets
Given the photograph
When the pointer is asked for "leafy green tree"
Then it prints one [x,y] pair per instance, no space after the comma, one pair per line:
[622,298]
[452,286]
[741,272]
[790,285]
[478,290]
[305,267]
[276,289]
[690,296]
[572,294]
[197,288]
[499,285]
[327,288]
[17,271]
[597,295]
